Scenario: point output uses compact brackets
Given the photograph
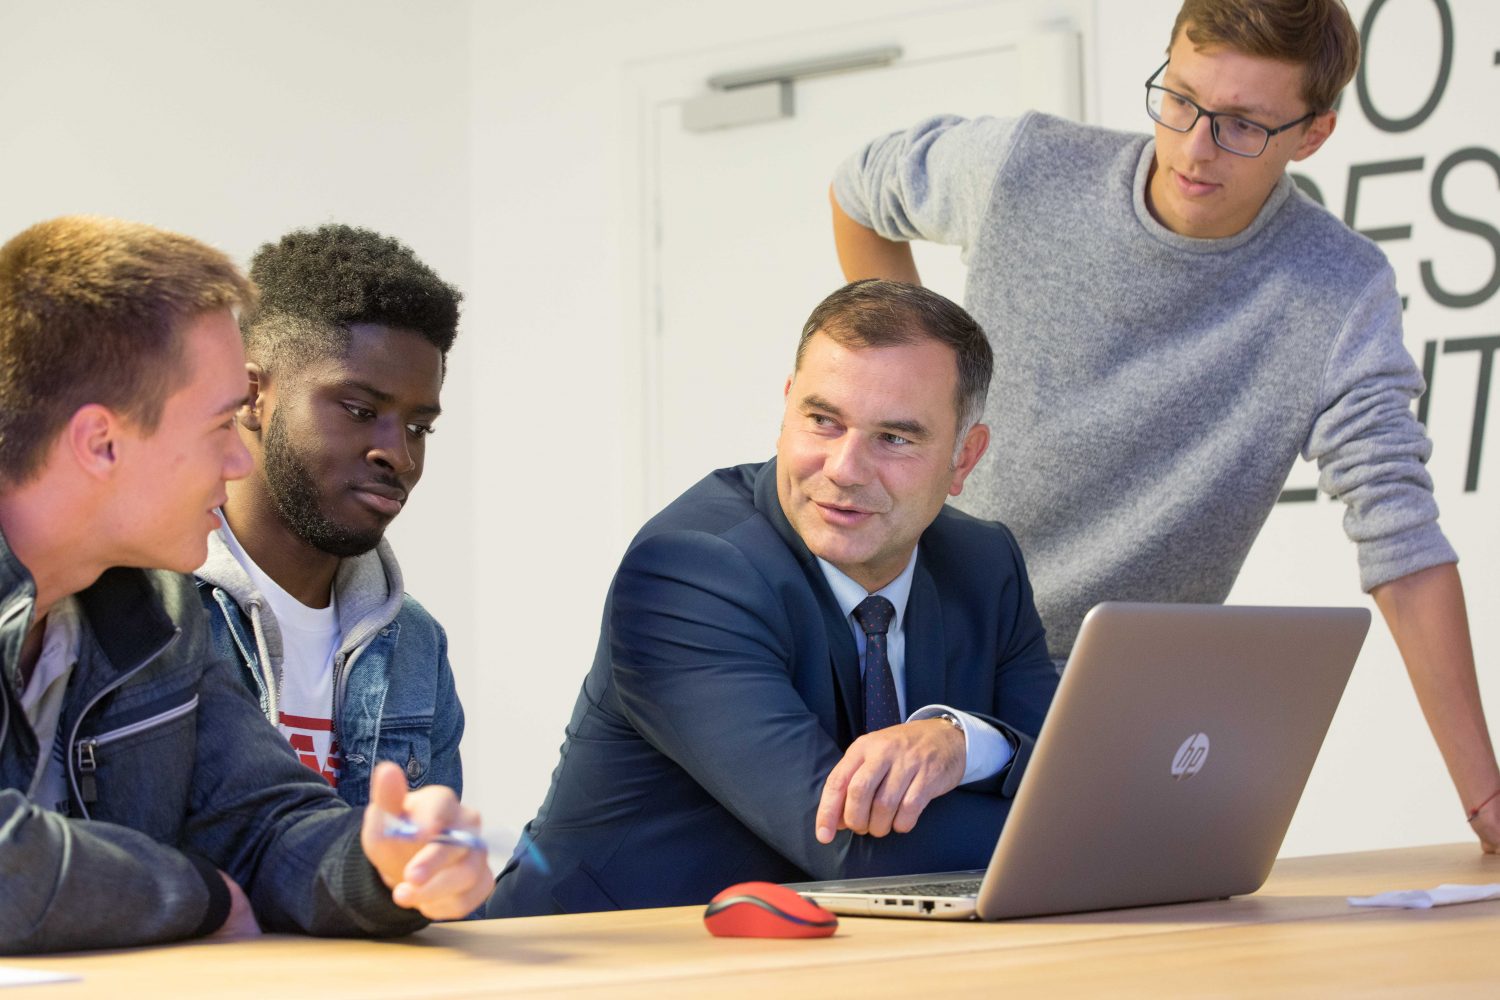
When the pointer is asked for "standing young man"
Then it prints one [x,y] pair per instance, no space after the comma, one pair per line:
[142,797]
[1173,323]
[346,354]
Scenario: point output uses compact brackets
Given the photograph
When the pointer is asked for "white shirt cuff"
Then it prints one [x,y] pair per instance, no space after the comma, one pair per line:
[986,749]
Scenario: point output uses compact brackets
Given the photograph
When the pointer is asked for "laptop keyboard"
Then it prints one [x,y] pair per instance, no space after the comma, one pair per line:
[965,887]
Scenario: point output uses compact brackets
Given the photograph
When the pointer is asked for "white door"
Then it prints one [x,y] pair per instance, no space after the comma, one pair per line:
[741,248]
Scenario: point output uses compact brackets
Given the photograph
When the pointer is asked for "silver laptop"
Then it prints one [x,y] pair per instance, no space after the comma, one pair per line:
[1167,769]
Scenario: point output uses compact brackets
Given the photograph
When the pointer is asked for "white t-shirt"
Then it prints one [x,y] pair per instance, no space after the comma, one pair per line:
[309,640]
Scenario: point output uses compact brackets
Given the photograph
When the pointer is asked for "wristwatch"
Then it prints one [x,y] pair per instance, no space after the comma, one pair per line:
[951,719]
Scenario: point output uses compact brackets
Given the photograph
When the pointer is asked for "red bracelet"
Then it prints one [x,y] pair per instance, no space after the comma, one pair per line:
[1470,817]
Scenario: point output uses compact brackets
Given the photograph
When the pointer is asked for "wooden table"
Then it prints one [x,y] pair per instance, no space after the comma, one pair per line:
[1297,936]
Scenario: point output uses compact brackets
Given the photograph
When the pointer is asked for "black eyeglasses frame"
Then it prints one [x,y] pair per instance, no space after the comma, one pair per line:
[1214,116]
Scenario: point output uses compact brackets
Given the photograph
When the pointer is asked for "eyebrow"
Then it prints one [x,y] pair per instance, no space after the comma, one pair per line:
[906,428]
[1241,110]
[381,396]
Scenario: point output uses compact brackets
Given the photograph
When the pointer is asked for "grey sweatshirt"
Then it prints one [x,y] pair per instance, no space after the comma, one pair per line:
[1151,390]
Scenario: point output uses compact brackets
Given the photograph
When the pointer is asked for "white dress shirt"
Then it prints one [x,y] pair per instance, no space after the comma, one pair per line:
[987,750]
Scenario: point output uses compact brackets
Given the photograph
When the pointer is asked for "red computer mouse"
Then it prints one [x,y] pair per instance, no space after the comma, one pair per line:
[764,909]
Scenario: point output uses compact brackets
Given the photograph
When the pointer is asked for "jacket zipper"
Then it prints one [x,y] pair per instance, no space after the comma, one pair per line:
[77,757]
[333,712]
[340,664]
[87,751]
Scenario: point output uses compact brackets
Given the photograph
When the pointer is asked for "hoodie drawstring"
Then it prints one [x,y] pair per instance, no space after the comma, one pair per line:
[267,669]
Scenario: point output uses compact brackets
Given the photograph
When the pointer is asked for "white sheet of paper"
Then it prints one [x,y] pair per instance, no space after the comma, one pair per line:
[1424,899]
[10,976]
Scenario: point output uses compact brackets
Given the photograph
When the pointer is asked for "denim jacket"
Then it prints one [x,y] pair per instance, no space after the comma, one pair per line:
[394,696]
[172,776]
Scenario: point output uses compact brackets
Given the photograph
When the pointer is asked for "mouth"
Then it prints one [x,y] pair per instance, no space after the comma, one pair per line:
[1194,187]
[842,515]
[382,498]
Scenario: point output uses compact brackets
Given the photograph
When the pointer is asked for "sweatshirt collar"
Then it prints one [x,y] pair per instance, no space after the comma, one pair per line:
[1192,244]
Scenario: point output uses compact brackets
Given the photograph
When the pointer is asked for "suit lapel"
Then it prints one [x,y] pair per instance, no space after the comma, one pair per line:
[842,651]
[926,666]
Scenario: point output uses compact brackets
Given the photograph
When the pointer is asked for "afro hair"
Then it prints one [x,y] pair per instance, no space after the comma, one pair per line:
[316,283]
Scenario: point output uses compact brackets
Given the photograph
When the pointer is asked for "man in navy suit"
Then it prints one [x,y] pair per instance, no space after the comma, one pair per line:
[769,631]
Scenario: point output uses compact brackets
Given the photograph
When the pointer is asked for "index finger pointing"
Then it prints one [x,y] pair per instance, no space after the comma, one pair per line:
[831,804]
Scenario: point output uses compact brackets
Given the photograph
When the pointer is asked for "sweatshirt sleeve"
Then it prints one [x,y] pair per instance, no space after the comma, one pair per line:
[930,182]
[54,871]
[1370,449]
[278,830]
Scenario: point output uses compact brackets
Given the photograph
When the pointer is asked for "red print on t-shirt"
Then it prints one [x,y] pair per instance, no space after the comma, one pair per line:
[307,752]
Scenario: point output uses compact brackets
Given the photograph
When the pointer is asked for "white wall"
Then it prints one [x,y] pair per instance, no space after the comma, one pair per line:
[499,140]
[237,125]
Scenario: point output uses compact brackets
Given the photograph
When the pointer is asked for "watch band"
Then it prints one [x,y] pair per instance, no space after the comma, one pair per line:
[951,719]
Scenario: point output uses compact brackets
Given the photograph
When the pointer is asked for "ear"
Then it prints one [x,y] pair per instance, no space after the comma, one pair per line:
[92,437]
[1318,131]
[969,454]
[249,415]
[786,390]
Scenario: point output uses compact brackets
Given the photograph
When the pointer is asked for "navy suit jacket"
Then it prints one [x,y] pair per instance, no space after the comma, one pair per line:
[725,688]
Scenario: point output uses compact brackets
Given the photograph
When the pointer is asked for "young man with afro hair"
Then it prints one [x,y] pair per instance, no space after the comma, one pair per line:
[345,355]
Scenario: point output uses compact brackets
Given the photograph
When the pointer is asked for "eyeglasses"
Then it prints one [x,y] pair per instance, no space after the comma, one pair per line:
[1231,133]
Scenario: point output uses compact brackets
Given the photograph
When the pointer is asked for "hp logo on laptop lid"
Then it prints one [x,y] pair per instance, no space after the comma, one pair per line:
[1190,756]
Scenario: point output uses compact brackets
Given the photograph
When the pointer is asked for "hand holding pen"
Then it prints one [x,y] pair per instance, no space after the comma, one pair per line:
[402,828]
[445,874]
[499,843]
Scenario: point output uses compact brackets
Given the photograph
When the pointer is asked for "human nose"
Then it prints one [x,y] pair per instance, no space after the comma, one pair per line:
[1201,145]
[846,463]
[392,448]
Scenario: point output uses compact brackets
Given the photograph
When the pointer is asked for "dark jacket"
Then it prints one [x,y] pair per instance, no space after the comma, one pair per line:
[725,688]
[172,775]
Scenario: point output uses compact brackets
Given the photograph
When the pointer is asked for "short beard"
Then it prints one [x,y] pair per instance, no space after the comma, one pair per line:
[295,497]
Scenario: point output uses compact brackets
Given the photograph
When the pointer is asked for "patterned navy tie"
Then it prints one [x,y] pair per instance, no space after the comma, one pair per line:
[874,616]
